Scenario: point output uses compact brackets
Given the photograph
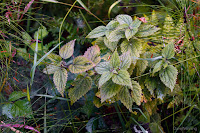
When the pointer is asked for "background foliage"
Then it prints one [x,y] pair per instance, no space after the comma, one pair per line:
[99,66]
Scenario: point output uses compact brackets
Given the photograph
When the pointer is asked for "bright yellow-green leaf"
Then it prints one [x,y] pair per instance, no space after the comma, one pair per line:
[33,45]
[60,79]
[42,32]
[133,46]
[67,50]
[80,64]
[54,58]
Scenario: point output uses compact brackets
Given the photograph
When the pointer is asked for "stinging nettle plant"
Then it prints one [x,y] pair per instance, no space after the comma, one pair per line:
[123,40]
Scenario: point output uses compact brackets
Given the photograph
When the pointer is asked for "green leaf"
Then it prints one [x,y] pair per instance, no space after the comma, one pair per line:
[112,25]
[151,84]
[81,86]
[23,53]
[134,46]
[157,67]
[67,50]
[20,108]
[60,79]
[93,54]
[168,76]
[97,102]
[33,45]
[129,33]
[135,24]
[115,61]
[97,32]
[122,78]
[50,69]
[42,32]
[108,90]
[125,97]
[111,45]
[100,42]
[124,19]
[16,95]
[80,64]
[103,67]
[88,108]
[136,92]
[27,38]
[145,119]
[54,58]
[118,33]
[147,30]
[155,127]
[125,61]
[105,77]
[168,51]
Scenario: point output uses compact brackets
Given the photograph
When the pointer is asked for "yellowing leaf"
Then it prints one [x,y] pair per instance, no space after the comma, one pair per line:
[134,46]
[80,64]
[146,30]
[97,102]
[141,65]
[81,86]
[108,90]
[125,97]
[67,50]
[168,76]
[54,58]
[50,69]
[122,78]
[60,79]
[93,54]
[97,32]
[136,92]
